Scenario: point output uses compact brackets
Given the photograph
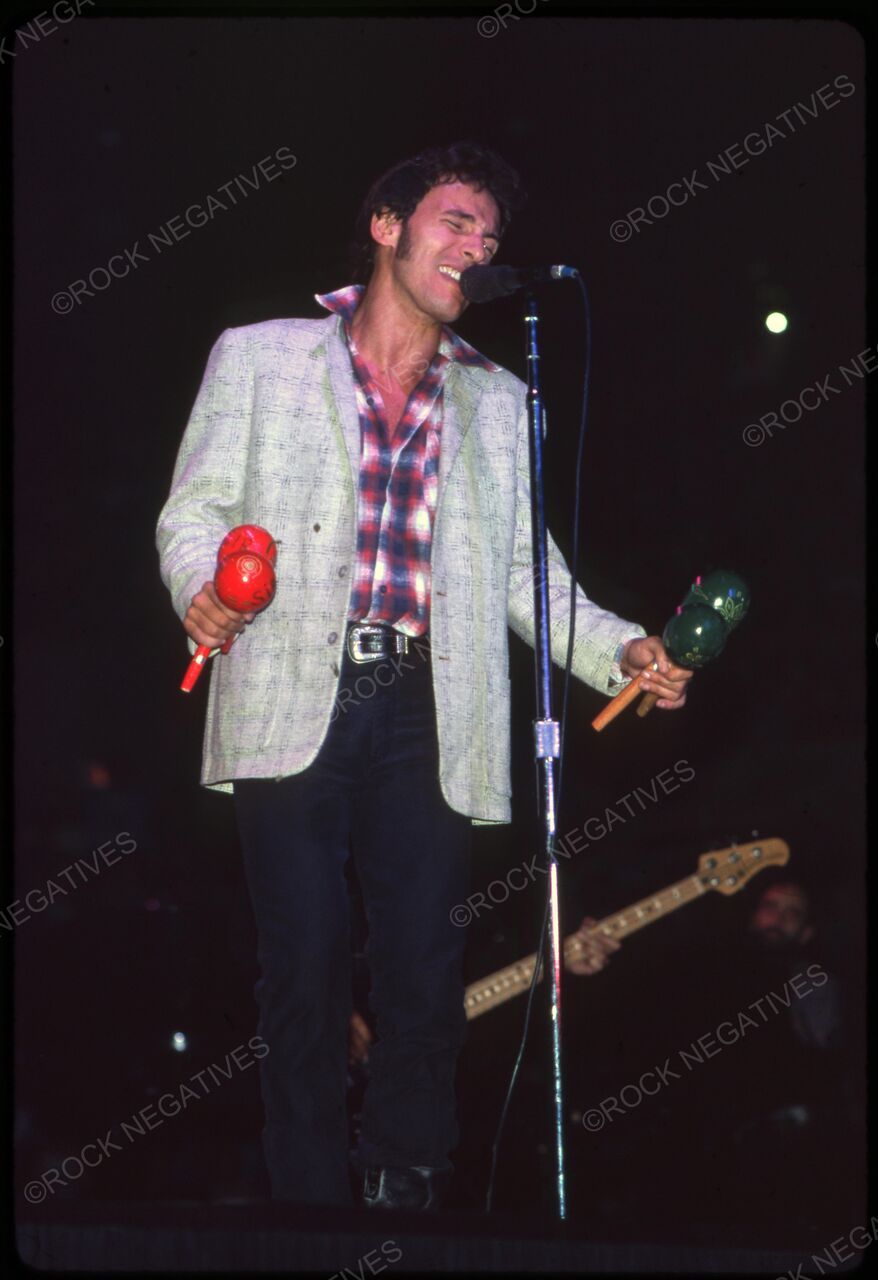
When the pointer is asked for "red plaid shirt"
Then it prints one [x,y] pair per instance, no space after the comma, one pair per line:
[398,482]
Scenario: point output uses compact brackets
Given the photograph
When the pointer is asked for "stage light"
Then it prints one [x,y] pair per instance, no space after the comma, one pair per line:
[776,322]
[179,1041]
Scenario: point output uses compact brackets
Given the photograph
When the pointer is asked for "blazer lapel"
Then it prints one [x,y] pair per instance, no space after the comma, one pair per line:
[341,382]
[460,399]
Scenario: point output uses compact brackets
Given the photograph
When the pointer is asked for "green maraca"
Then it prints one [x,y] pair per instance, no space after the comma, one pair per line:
[714,606]
[724,591]
[695,636]
[692,637]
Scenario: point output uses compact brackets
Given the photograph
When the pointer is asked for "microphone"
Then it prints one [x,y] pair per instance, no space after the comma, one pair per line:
[484,284]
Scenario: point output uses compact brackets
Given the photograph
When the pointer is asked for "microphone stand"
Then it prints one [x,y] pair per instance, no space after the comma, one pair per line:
[547,736]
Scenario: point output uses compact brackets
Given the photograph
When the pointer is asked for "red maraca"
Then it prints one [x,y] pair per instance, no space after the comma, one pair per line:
[244,581]
[248,537]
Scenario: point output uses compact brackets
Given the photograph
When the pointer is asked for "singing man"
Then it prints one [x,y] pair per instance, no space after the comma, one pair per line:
[365,712]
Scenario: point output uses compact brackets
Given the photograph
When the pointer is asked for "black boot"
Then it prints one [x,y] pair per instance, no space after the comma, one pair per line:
[416,1188]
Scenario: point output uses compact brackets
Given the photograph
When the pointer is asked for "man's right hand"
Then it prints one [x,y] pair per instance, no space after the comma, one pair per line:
[595,949]
[209,622]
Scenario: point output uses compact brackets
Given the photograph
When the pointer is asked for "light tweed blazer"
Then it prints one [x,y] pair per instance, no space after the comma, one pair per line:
[274,439]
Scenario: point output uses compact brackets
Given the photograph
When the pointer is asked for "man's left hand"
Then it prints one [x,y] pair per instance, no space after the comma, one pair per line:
[668,682]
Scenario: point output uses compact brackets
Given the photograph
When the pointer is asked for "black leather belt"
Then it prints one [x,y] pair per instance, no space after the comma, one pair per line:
[369,641]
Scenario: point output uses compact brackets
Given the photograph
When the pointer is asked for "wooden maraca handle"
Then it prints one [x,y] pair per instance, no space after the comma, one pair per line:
[619,703]
[647,704]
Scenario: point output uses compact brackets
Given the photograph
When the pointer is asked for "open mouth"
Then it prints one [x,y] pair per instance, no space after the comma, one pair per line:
[451,272]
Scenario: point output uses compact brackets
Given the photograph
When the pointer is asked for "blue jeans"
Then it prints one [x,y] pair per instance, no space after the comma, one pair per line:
[372,792]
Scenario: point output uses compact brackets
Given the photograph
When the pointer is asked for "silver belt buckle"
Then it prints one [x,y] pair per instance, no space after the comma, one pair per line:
[400,642]
[354,637]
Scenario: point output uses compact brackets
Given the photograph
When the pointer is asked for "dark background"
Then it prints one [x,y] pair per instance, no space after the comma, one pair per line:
[119,124]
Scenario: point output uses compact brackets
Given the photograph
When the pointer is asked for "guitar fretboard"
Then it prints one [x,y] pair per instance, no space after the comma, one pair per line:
[500,986]
[726,871]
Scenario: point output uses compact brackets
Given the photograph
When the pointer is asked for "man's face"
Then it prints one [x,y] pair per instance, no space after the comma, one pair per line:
[780,919]
[454,227]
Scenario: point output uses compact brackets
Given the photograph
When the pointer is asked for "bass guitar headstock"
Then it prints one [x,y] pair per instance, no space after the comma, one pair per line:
[728,870]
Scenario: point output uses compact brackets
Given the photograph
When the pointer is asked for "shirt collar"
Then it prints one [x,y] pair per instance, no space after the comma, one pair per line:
[344,302]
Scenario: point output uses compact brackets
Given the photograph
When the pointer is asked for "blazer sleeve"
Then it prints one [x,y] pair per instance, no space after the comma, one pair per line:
[598,633]
[207,489]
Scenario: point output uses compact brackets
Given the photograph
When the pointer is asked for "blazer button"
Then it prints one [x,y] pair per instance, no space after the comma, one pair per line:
[342,570]
[317,528]
[332,637]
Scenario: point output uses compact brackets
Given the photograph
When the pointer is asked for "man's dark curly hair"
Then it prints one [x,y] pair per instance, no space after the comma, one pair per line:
[402,188]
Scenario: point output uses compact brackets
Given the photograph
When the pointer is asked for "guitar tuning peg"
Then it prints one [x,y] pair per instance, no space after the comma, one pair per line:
[754,835]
